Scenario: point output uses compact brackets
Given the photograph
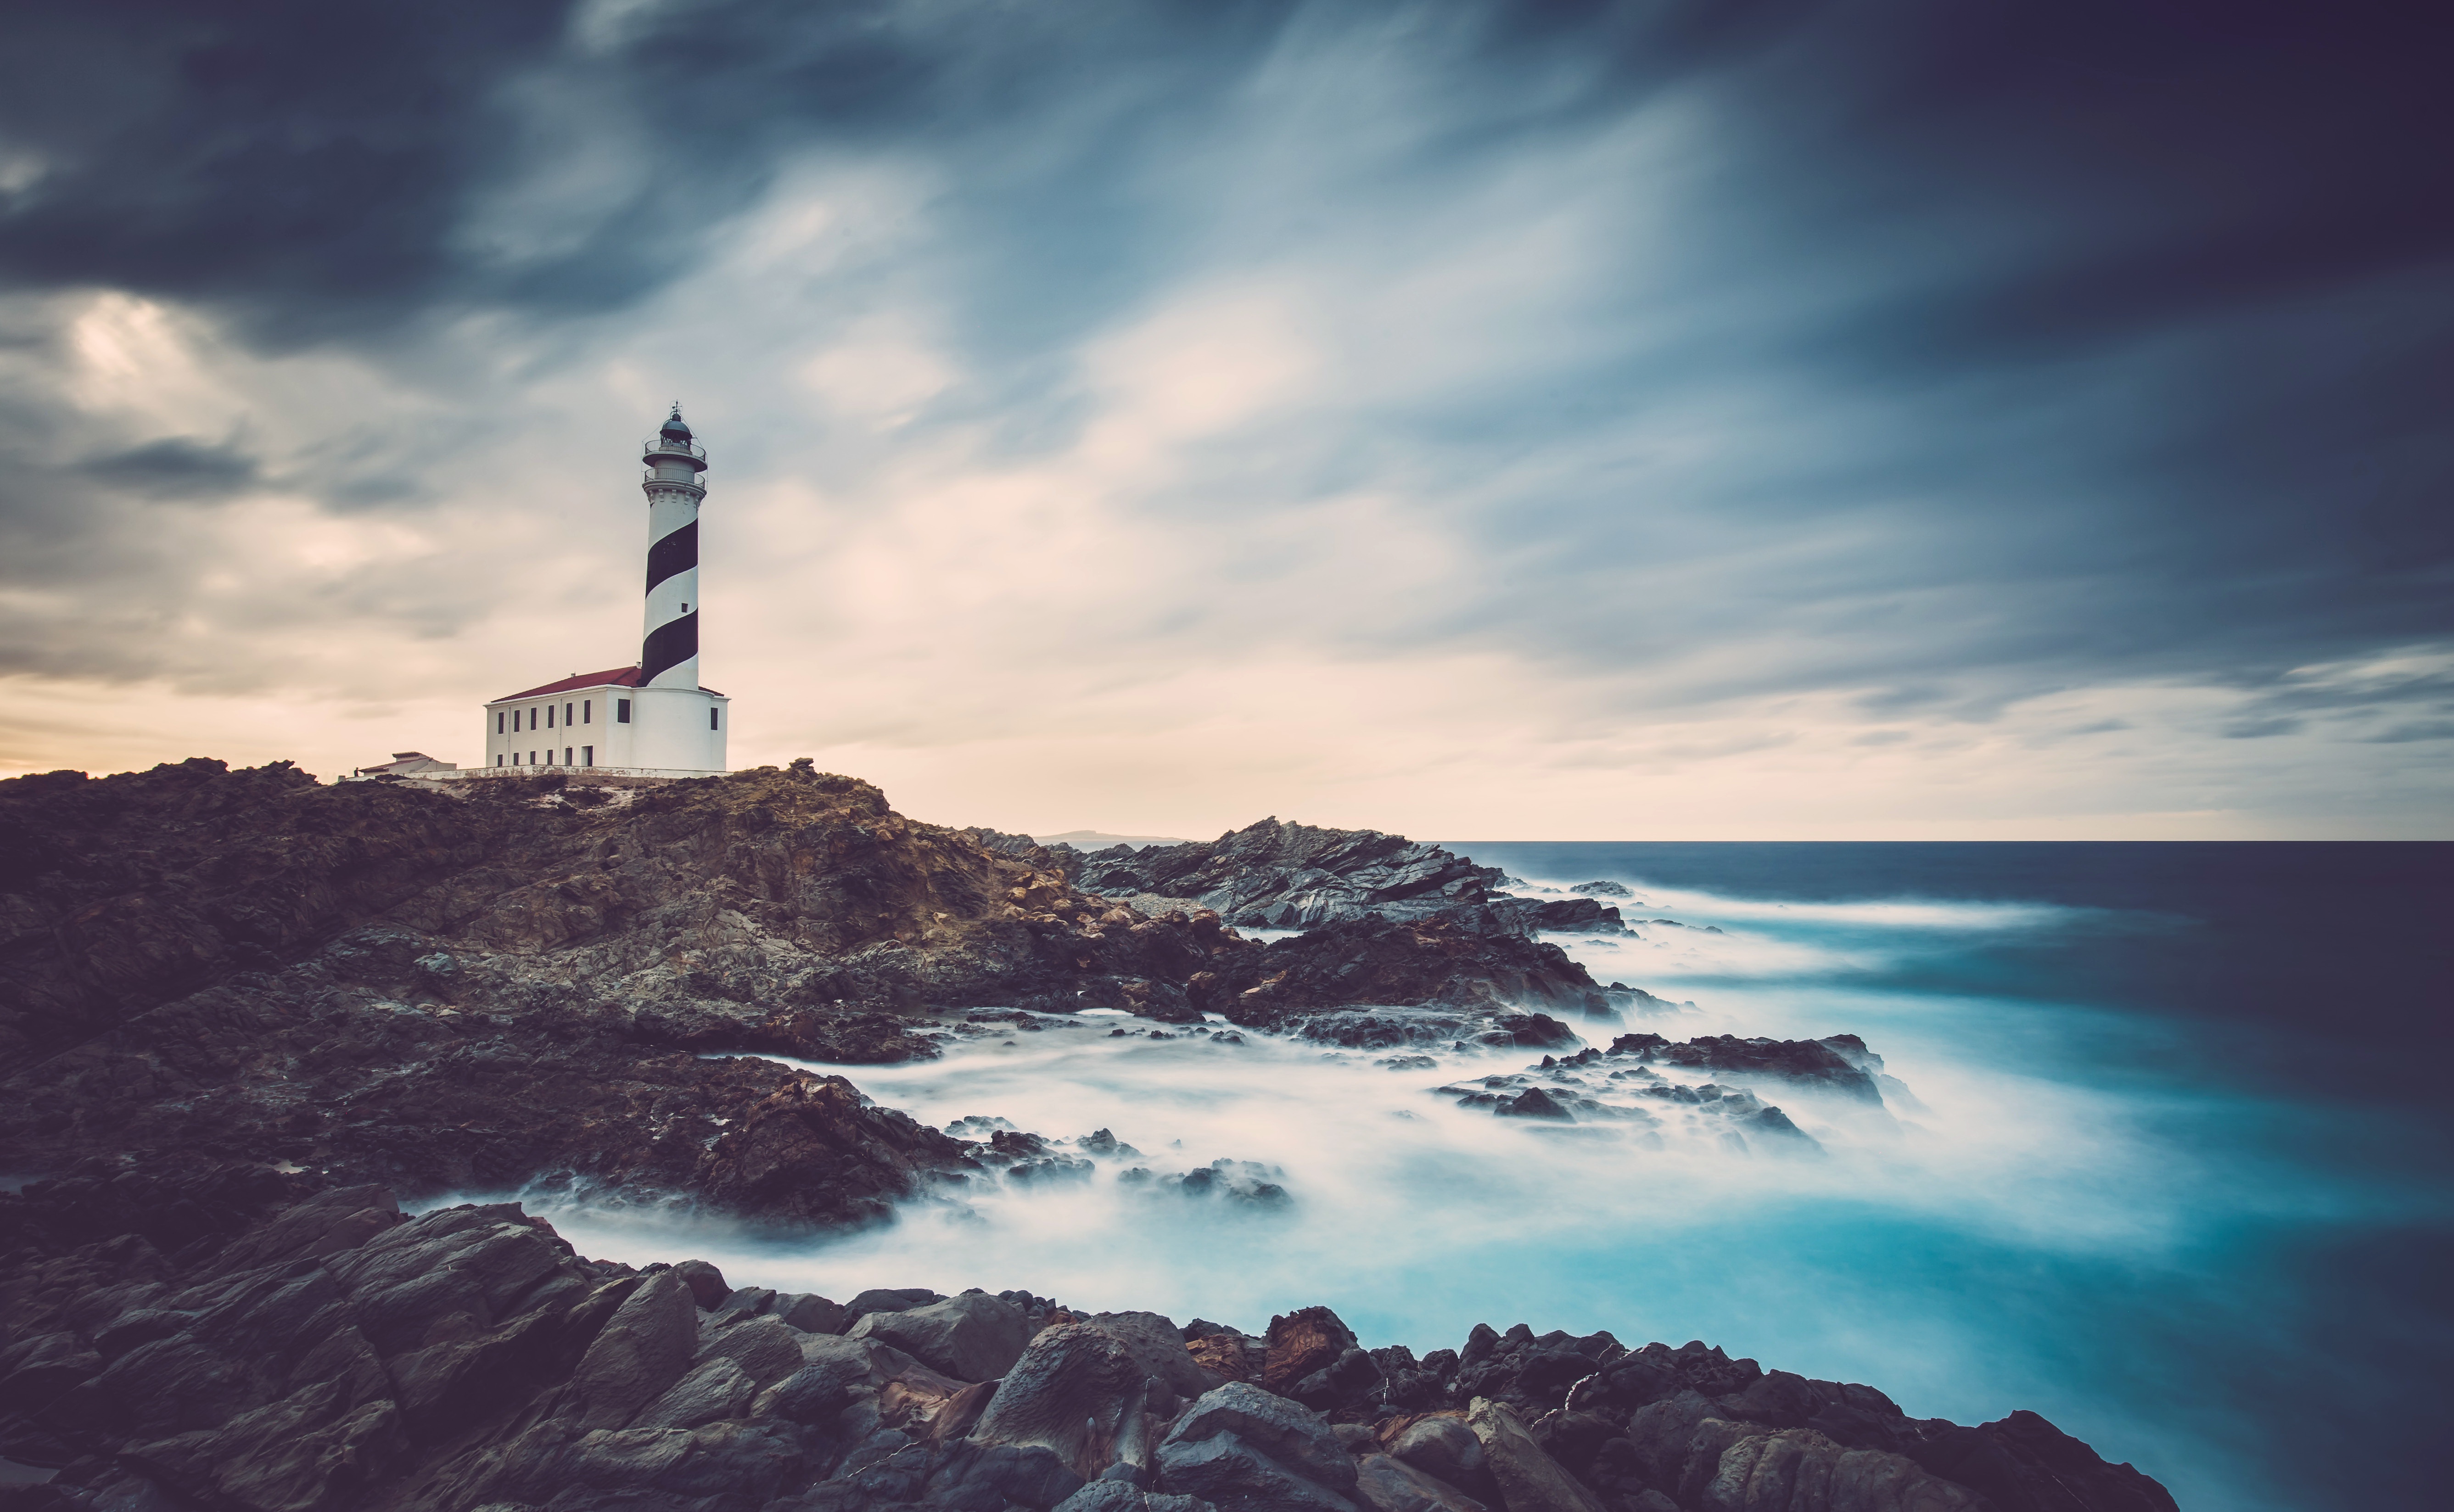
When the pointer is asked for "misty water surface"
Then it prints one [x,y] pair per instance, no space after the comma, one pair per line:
[2059,1217]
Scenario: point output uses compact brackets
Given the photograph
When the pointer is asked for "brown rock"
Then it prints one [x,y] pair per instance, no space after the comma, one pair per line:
[1226,1354]
[1301,1343]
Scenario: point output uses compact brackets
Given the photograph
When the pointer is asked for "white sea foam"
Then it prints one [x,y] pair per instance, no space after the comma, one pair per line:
[1394,1191]
[1940,1249]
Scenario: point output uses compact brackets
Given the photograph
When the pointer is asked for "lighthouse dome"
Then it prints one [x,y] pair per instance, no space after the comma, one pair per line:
[675,427]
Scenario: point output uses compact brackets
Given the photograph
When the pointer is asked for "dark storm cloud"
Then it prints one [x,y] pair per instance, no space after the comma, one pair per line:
[2106,341]
[304,162]
[312,168]
[176,467]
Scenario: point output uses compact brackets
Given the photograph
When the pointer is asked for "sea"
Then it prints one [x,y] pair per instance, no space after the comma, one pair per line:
[2166,1157]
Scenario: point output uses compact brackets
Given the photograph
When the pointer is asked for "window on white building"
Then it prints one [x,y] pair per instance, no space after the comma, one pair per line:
[710,719]
[587,711]
[549,716]
[498,758]
[588,755]
[498,721]
[621,711]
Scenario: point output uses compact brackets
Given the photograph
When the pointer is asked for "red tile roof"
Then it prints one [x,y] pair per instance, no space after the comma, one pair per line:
[616,677]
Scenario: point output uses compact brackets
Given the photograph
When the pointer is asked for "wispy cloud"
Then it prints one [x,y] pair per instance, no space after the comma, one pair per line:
[1614,419]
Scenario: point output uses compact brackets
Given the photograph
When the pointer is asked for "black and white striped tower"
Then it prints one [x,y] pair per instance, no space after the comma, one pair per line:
[669,654]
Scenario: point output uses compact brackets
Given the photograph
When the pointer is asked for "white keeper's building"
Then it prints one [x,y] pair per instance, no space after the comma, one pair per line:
[651,719]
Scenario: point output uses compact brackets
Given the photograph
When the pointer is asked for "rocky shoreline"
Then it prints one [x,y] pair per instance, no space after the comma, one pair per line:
[244,1016]
[338,1355]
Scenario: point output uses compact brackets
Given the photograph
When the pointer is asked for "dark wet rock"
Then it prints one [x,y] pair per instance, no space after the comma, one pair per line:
[1248,1450]
[886,1299]
[1817,1062]
[706,1283]
[1372,961]
[989,1477]
[1245,1183]
[444,986]
[1388,1485]
[973,1336]
[1096,1391]
[1533,1103]
[1442,1446]
[1601,889]
[1277,876]
[2022,1461]
[808,1312]
[319,1359]
[1522,916]
[1529,1479]
[1119,1496]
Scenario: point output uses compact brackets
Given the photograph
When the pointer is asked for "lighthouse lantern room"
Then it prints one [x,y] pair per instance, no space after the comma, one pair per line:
[651,719]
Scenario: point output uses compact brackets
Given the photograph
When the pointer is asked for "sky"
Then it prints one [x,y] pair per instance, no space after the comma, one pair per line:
[1692,419]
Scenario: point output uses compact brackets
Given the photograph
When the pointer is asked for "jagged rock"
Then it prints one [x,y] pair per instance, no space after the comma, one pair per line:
[1443,1447]
[1818,1062]
[1249,1450]
[1301,1343]
[444,986]
[706,1283]
[1298,1439]
[808,1312]
[974,1337]
[1434,963]
[1118,1495]
[1277,876]
[886,1299]
[2023,1461]
[1090,1390]
[1530,1481]
[1600,889]
[1800,1470]
[643,1349]
[319,1360]
[717,1389]
[1388,1485]
[978,1478]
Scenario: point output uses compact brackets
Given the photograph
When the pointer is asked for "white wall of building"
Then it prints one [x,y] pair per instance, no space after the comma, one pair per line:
[669,729]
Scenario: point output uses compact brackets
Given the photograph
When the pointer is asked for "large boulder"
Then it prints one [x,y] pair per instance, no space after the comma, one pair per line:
[1444,1448]
[1093,1391]
[1800,1470]
[1120,1496]
[1530,1480]
[645,1347]
[1286,1431]
[1388,1485]
[1250,1450]
[974,1337]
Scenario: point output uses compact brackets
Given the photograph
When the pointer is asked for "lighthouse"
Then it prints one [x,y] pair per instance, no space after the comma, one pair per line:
[653,719]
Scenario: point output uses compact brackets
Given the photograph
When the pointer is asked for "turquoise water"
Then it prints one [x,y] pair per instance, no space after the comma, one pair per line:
[2172,1172]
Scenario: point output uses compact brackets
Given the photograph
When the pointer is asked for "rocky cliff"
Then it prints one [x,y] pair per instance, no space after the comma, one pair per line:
[470,985]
